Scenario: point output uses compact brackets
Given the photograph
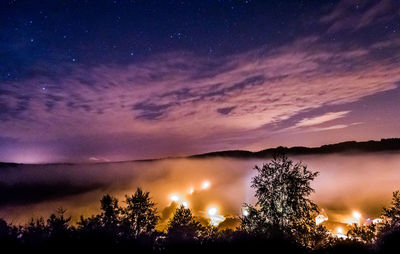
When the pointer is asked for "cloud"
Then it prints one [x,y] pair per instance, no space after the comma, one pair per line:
[316,123]
[353,15]
[99,159]
[225,111]
[306,122]
[327,128]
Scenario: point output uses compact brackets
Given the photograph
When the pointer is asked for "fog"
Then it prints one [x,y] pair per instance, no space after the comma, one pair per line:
[355,182]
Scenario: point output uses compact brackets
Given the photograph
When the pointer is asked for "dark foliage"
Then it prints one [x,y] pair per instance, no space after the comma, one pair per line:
[364,233]
[283,206]
[183,226]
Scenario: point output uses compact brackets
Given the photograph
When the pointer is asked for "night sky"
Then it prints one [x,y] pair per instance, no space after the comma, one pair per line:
[119,80]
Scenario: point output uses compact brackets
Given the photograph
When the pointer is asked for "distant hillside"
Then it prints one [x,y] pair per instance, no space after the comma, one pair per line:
[392,144]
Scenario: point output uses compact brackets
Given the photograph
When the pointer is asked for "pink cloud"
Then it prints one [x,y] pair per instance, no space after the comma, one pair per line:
[327,117]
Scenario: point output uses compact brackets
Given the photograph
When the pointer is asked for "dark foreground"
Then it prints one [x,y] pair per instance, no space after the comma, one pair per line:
[227,242]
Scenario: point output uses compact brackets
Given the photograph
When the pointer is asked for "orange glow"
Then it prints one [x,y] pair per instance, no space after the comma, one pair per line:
[205,185]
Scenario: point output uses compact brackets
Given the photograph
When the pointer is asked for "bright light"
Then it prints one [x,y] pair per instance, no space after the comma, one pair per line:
[376,221]
[215,218]
[174,198]
[356,215]
[245,212]
[355,219]
[185,204]
[340,233]
[205,185]
[191,190]
[320,218]
[212,211]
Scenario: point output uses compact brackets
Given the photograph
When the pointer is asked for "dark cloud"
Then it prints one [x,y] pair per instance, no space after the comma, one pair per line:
[225,111]
[14,110]
[150,111]
[180,94]
[248,82]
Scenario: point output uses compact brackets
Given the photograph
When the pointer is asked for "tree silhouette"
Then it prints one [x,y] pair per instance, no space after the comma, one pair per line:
[254,222]
[283,205]
[391,214]
[108,221]
[4,229]
[9,236]
[140,214]
[183,225]
[36,231]
[90,225]
[364,233]
[58,224]
[111,212]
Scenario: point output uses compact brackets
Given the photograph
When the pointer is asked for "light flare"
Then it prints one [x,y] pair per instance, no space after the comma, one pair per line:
[340,233]
[174,198]
[355,219]
[320,218]
[356,215]
[377,221]
[205,185]
[215,218]
[212,211]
